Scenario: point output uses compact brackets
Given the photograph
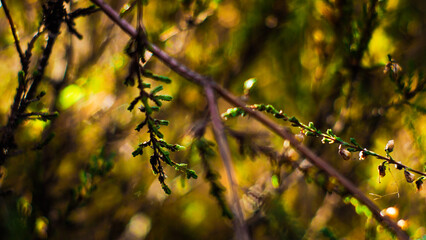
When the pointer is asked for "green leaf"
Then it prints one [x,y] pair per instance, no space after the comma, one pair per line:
[354,142]
[133,104]
[164,97]
[138,151]
[156,77]
[191,174]
[166,188]
[179,147]
[310,134]
[294,120]
[140,126]
[157,132]
[156,90]
[271,109]
[163,122]
[146,85]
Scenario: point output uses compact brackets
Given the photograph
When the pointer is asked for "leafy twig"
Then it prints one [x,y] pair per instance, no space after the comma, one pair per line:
[311,130]
[161,148]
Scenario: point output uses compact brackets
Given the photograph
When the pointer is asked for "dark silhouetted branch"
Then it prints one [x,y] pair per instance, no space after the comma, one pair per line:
[24,61]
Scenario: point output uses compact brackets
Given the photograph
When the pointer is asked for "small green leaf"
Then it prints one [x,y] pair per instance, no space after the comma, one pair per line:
[138,151]
[163,122]
[191,174]
[133,104]
[146,85]
[294,120]
[179,147]
[156,90]
[164,97]
[166,188]
[156,77]
[271,109]
[354,142]
[310,134]
[140,126]
[156,132]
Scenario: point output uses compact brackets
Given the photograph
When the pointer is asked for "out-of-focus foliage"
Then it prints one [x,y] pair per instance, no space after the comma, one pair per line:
[322,60]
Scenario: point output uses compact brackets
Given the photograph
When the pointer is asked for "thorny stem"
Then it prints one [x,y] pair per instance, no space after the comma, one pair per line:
[240,225]
[204,81]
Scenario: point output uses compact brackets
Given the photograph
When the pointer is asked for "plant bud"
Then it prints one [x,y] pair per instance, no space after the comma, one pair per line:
[390,145]
[362,155]
[408,176]
[419,184]
[403,224]
[344,153]
[300,137]
[391,212]
[382,169]
[397,166]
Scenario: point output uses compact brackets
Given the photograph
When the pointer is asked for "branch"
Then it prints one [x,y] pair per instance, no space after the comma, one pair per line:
[39,115]
[204,81]
[24,62]
[241,231]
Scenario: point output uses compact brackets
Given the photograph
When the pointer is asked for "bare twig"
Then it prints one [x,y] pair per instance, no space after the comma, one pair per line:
[38,115]
[241,231]
[24,62]
[204,81]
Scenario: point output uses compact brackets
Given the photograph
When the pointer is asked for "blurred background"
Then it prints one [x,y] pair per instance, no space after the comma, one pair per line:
[320,60]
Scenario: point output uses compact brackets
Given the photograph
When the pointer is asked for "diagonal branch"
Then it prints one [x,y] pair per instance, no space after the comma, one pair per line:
[24,61]
[241,231]
[204,81]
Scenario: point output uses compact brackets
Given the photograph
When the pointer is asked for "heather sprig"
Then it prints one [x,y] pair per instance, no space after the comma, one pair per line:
[151,101]
[345,148]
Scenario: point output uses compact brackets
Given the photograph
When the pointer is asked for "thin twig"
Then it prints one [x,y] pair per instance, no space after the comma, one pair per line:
[204,81]
[24,62]
[241,231]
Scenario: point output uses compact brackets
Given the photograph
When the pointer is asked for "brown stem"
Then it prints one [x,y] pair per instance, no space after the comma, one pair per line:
[204,81]
[241,231]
